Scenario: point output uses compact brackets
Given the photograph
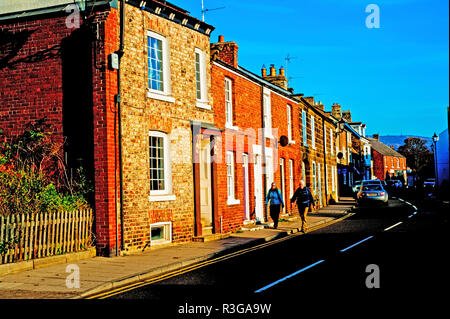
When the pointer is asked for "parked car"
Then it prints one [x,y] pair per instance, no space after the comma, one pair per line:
[372,182]
[429,182]
[372,193]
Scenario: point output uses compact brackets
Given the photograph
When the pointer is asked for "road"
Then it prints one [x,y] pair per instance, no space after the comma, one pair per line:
[327,266]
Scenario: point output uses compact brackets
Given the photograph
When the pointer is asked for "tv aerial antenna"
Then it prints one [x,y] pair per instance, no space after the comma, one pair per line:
[287,60]
[204,10]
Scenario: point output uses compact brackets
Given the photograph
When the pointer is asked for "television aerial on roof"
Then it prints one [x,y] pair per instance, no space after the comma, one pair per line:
[204,10]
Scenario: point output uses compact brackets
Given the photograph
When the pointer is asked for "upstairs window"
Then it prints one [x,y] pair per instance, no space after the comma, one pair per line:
[200,75]
[158,62]
[267,114]
[331,142]
[305,138]
[289,122]
[313,135]
[228,102]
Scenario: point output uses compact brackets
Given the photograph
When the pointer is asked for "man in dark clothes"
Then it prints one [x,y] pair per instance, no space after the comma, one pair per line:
[304,200]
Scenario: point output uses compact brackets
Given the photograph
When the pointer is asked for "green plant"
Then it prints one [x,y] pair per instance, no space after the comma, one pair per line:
[33,176]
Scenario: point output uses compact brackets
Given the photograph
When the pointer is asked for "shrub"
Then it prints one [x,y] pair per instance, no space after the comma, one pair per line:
[33,175]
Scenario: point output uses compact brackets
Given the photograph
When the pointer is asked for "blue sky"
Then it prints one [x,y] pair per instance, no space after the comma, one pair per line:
[395,78]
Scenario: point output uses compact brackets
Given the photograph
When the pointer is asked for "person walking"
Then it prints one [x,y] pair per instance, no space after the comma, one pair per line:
[304,201]
[276,202]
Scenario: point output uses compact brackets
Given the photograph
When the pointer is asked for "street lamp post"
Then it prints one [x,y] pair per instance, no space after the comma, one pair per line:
[435,140]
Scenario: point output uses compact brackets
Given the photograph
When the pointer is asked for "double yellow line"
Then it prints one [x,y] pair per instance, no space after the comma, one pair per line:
[184,270]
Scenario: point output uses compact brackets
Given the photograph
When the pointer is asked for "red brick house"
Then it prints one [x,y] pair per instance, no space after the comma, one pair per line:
[251,112]
[52,67]
[387,163]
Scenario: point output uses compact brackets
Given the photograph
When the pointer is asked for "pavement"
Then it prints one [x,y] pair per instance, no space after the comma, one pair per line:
[100,274]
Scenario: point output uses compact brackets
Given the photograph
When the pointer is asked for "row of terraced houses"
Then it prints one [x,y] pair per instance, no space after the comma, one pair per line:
[181,140]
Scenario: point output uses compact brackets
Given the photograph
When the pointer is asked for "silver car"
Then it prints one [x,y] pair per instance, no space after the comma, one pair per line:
[372,193]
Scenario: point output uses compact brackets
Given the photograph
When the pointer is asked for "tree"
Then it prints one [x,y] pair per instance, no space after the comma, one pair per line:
[418,157]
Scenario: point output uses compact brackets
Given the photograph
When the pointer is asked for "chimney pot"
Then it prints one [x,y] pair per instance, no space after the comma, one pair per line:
[282,71]
[221,39]
[263,71]
[273,71]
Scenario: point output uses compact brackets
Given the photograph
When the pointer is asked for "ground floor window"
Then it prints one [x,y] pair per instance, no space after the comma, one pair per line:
[160,233]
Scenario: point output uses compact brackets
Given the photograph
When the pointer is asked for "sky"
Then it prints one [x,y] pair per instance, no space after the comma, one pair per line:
[394,78]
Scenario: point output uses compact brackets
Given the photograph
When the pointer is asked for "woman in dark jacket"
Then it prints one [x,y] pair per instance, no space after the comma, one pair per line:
[304,200]
[276,202]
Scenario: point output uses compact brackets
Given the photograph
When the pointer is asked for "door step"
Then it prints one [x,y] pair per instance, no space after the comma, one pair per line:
[252,227]
[211,237]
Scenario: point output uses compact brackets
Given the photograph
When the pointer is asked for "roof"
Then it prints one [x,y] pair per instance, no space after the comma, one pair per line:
[383,149]
[12,10]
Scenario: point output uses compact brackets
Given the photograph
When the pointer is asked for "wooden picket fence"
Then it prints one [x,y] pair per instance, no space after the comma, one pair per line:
[45,234]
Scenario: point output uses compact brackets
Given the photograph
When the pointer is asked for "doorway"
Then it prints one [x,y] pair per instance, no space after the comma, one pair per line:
[206,206]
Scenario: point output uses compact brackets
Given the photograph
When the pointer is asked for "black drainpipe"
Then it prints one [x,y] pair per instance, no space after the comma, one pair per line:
[120,53]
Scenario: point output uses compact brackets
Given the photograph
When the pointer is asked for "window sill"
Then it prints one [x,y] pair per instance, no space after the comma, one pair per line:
[231,127]
[232,201]
[162,198]
[291,142]
[161,97]
[203,105]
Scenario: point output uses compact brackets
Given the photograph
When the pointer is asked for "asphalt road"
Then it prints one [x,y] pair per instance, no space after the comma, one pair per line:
[406,250]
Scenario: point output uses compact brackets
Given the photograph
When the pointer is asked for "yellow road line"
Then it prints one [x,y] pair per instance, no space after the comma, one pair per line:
[184,270]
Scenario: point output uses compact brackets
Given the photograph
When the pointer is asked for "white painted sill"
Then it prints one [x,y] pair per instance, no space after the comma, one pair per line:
[203,105]
[231,127]
[292,142]
[162,198]
[233,201]
[160,97]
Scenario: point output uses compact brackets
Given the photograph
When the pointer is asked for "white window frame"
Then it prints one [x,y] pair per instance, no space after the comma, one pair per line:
[331,142]
[289,123]
[267,110]
[314,176]
[303,171]
[231,179]
[166,93]
[229,104]
[313,134]
[166,193]
[305,132]
[269,167]
[325,138]
[291,178]
[167,229]
[202,102]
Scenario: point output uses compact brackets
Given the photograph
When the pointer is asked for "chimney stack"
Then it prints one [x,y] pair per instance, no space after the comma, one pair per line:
[225,51]
[336,111]
[347,115]
[278,80]
[376,137]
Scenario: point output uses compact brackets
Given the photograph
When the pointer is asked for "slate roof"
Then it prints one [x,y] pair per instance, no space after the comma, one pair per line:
[383,149]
